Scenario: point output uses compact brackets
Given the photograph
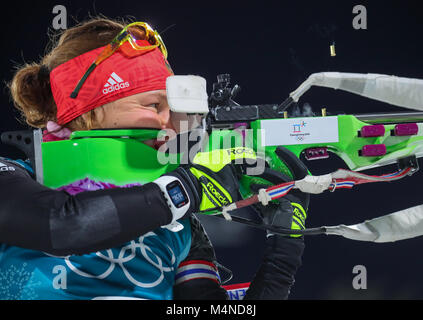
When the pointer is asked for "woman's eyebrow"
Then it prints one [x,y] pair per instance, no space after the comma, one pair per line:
[154,96]
[161,95]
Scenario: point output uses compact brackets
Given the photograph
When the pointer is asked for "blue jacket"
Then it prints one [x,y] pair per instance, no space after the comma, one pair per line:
[143,268]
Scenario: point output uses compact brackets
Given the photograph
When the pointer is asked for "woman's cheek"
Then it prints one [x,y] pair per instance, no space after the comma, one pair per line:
[135,118]
[142,119]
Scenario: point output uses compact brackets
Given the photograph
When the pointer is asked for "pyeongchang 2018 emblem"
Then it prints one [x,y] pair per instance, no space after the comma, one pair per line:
[298,131]
[293,131]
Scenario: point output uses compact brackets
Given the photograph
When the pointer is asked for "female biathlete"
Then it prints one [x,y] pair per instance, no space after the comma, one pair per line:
[115,242]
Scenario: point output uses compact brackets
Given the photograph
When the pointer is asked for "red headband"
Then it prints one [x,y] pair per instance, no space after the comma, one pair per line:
[116,77]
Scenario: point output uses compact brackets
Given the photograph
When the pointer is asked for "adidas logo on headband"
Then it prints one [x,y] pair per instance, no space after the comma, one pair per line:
[114,83]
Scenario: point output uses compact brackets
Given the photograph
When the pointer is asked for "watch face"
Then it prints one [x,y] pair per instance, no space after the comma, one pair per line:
[177,194]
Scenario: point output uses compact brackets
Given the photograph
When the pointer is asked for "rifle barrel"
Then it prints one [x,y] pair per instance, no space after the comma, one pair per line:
[398,117]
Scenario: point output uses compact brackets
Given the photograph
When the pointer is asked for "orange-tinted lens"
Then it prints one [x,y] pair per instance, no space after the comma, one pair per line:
[142,31]
[107,52]
[138,32]
[127,49]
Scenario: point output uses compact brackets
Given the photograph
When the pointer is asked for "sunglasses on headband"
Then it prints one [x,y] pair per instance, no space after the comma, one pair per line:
[126,41]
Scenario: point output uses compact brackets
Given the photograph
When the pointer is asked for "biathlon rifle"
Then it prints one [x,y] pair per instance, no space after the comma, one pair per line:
[362,141]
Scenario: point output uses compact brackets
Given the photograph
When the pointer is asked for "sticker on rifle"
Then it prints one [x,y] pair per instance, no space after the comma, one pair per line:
[276,132]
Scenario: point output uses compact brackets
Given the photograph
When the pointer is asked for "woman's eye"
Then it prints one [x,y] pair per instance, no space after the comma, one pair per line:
[154,105]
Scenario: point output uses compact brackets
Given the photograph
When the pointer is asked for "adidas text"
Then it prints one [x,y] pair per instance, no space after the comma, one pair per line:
[116,87]
[114,83]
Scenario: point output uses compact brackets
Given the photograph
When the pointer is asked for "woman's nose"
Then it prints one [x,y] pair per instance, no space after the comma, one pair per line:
[164,116]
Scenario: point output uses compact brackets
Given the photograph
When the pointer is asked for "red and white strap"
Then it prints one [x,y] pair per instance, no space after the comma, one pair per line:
[340,179]
[196,269]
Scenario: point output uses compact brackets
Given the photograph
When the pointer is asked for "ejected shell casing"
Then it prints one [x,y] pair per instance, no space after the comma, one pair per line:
[332,50]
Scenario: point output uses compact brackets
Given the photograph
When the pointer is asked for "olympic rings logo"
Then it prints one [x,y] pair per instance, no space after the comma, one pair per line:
[127,254]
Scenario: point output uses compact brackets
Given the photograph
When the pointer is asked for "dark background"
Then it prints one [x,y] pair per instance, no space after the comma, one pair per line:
[269,49]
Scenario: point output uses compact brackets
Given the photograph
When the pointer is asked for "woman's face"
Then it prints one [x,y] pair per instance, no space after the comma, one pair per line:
[143,110]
